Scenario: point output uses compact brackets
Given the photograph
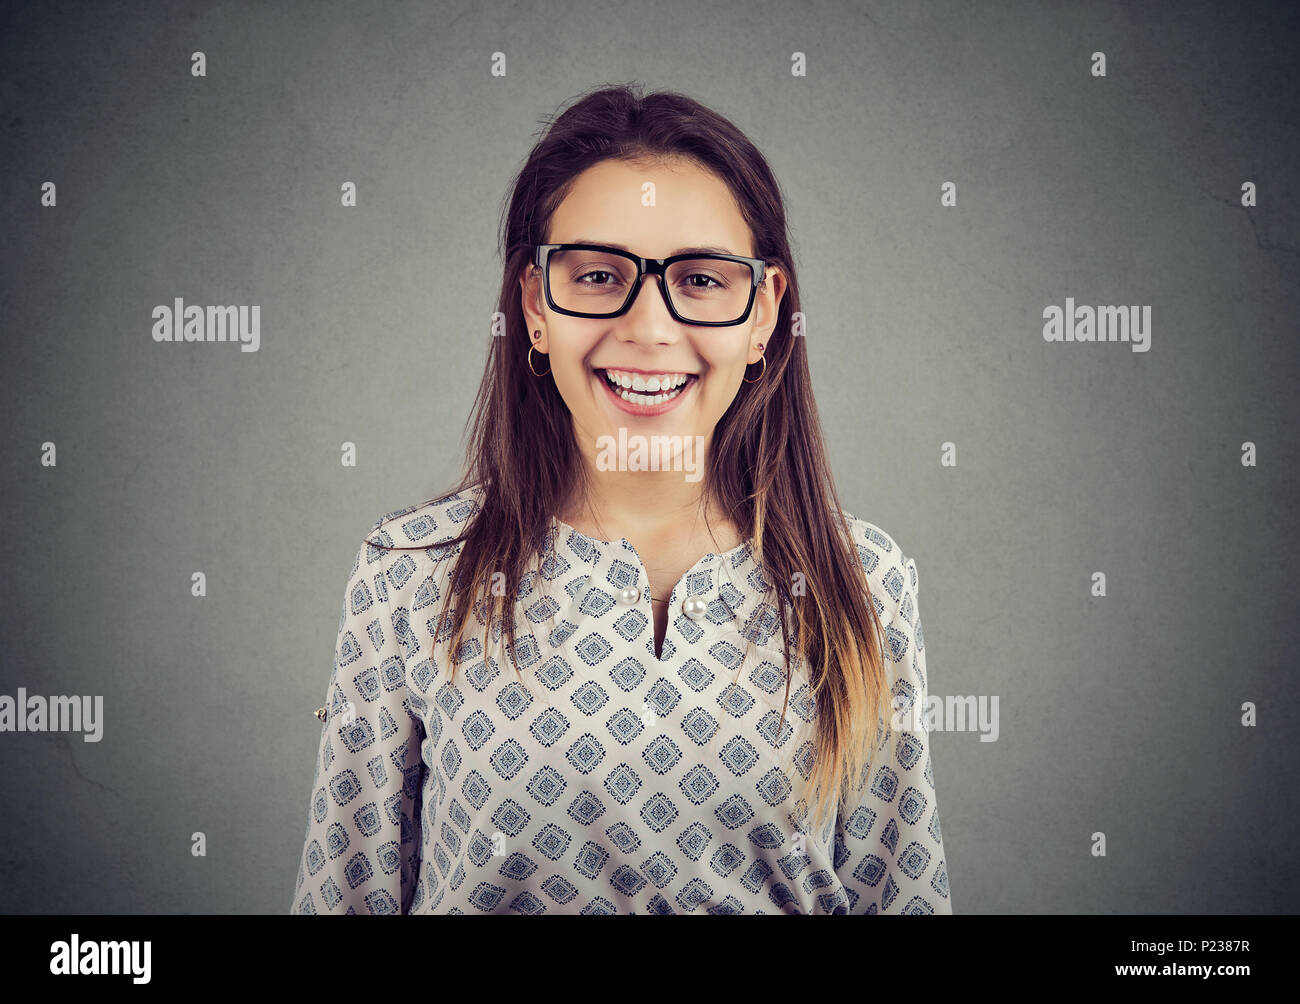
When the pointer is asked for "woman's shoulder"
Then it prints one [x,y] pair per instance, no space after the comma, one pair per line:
[427,524]
[889,571]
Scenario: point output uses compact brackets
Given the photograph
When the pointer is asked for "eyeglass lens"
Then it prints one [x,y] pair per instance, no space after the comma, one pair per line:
[701,289]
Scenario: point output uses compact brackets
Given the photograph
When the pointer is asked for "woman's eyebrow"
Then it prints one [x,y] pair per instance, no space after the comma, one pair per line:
[623,247]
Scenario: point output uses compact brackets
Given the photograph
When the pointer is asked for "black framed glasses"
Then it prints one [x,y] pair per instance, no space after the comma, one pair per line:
[592,280]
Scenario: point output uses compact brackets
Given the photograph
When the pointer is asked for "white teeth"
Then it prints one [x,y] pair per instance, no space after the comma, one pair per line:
[669,386]
[648,384]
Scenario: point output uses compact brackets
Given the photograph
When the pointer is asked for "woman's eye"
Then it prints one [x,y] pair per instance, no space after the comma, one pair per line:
[598,272]
[701,275]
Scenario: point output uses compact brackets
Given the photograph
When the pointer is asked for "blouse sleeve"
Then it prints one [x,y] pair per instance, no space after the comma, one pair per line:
[888,846]
[362,847]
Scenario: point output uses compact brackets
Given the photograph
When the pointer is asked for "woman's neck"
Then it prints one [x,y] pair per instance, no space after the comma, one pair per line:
[648,507]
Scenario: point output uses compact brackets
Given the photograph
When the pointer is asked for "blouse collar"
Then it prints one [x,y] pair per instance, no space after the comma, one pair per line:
[583,577]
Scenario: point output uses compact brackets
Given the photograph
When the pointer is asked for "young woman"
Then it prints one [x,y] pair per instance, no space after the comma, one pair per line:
[638,660]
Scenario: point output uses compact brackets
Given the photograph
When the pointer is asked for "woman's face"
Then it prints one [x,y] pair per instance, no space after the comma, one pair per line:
[610,203]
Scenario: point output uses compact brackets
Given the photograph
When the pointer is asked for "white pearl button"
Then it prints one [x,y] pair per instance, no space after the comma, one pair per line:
[694,607]
[629,595]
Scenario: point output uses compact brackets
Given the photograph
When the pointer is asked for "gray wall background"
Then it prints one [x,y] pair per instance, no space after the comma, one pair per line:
[1118,714]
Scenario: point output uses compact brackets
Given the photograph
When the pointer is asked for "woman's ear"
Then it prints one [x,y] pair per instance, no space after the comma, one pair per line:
[530,287]
[767,304]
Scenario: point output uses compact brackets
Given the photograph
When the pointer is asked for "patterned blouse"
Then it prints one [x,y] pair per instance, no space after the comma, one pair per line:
[606,780]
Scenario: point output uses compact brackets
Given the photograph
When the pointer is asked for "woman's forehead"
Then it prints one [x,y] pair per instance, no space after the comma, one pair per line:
[650,209]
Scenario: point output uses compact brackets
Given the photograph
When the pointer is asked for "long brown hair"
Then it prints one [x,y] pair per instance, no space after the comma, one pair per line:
[767,467]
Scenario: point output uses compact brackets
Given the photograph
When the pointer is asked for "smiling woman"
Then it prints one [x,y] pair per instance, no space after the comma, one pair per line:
[573,686]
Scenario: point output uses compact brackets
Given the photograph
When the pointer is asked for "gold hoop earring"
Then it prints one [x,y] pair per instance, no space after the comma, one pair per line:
[762,359]
[530,363]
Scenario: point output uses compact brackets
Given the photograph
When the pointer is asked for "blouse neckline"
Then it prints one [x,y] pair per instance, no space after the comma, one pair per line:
[605,545]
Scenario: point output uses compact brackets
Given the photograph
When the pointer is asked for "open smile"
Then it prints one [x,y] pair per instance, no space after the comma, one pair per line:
[640,393]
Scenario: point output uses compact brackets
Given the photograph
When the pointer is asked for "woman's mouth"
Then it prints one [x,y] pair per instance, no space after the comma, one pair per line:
[645,393]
